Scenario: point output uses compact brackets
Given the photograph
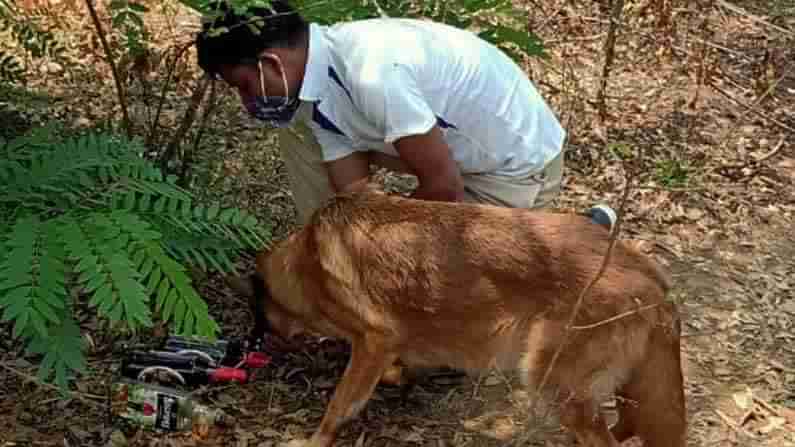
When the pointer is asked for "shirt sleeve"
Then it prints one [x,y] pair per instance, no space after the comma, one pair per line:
[395,104]
[333,146]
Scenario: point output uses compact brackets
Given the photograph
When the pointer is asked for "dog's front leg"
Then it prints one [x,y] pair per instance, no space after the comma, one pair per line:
[370,356]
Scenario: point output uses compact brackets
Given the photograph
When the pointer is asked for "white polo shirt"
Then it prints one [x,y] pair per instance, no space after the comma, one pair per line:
[372,82]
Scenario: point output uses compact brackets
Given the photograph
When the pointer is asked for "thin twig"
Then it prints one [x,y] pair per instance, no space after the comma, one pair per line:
[113,69]
[187,122]
[736,9]
[772,153]
[755,104]
[170,74]
[631,177]
[733,425]
[750,108]
[766,406]
[187,159]
[610,47]
[82,397]
[617,317]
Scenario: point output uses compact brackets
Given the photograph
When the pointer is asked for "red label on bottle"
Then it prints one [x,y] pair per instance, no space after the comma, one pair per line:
[257,360]
[229,375]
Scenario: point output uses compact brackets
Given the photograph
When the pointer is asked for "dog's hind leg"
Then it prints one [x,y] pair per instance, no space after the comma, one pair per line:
[583,418]
[370,357]
[653,407]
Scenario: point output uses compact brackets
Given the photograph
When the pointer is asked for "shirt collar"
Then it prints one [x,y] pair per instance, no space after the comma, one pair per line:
[316,71]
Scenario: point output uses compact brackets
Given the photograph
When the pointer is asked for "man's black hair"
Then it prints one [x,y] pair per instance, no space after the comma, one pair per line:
[280,26]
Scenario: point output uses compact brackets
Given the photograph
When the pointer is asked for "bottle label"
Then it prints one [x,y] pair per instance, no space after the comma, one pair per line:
[151,406]
[167,412]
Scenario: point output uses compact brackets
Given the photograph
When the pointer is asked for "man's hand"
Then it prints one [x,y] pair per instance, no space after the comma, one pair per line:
[428,157]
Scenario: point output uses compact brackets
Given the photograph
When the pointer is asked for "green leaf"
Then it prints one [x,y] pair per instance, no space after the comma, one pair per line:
[163,292]
[14,296]
[102,295]
[38,323]
[20,322]
[179,314]
[95,283]
[154,280]
[63,352]
[212,212]
[115,226]
[137,7]
[88,264]
[12,282]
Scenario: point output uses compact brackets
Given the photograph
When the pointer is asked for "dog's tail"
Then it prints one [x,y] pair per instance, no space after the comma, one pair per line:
[652,267]
[660,274]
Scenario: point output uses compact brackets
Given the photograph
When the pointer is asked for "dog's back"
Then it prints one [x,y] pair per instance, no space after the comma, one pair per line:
[479,286]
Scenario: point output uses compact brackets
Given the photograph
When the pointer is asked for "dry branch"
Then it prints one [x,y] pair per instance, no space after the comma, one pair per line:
[733,425]
[109,56]
[750,108]
[89,399]
[738,10]
[187,160]
[187,121]
[610,50]
[150,138]
[617,317]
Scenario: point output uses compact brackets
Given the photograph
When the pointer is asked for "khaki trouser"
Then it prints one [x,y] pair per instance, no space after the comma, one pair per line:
[311,186]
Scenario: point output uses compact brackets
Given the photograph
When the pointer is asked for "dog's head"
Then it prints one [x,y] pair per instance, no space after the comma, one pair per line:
[269,315]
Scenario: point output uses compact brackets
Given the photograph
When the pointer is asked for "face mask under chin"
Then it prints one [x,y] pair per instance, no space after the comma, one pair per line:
[274,111]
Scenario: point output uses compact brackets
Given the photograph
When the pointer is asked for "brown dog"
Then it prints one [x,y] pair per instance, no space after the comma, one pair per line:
[475,286]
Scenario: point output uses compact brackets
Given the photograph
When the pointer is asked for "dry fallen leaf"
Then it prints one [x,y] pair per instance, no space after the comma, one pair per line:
[744,400]
[772,424]
[492,381]
[789,415]
[294,443]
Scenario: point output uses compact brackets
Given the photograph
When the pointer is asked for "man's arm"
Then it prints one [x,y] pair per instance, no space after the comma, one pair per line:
[428,156]
[349,172]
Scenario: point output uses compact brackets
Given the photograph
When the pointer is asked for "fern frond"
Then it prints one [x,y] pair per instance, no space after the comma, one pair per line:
[177,300]
[26,29]
[101,251]
[62,350]
[98,216]
[52,174]
[202,235]
[32,277]
[11,69]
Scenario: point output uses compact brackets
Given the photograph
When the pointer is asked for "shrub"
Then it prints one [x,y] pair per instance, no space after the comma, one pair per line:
[88,218]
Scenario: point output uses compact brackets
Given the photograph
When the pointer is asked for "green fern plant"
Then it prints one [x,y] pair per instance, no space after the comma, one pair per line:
[89,218]
[22,33]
